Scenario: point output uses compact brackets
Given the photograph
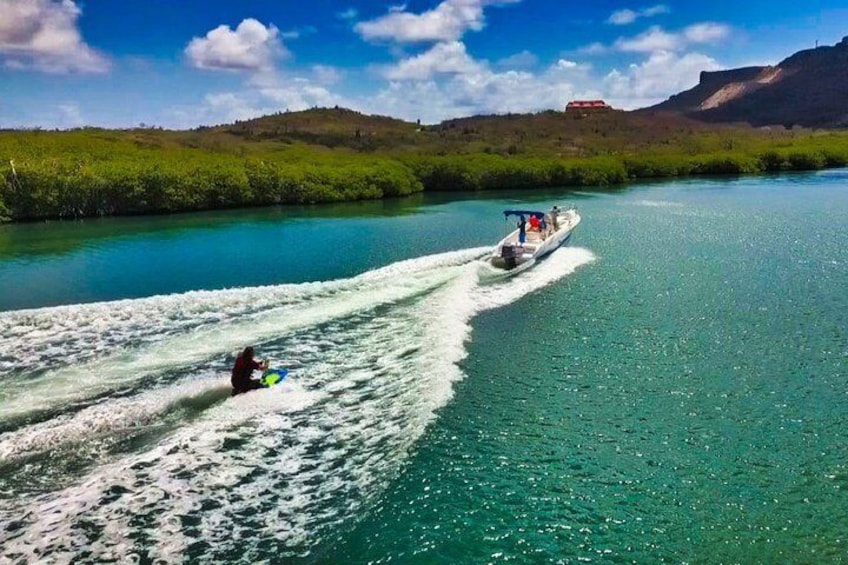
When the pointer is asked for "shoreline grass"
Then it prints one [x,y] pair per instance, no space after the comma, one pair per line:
[93,173]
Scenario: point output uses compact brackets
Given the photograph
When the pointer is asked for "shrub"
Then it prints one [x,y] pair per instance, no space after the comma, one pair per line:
[771,161]
[660,166]
[805,160]
[726,164]
[598,172]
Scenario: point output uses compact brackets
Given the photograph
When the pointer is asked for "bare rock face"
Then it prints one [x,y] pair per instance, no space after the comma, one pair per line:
[808,89]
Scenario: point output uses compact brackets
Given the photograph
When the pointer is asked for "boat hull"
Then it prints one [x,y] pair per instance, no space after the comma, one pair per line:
[511,254]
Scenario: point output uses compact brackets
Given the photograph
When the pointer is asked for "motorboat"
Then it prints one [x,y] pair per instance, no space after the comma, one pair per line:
[542,232]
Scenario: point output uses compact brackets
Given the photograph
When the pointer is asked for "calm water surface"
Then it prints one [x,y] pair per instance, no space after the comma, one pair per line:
[671,388]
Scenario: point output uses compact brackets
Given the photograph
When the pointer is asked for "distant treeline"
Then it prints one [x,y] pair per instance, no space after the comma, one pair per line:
[82,174]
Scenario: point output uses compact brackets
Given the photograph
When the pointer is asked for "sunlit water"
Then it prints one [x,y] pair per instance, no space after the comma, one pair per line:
[671,388]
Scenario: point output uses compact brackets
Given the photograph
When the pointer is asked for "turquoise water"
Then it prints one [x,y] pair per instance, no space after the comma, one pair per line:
[671,388]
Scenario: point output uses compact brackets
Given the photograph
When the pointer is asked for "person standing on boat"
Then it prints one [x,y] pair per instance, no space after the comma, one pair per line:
[522,229]
[243,370]
[555,218]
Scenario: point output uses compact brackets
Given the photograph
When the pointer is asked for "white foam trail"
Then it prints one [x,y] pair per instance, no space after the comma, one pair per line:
[77,333]
[284,469]
[314,303]
[105,418]
[560,263]
[170,476]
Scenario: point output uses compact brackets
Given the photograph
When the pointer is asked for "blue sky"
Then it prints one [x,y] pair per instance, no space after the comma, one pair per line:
[184,63]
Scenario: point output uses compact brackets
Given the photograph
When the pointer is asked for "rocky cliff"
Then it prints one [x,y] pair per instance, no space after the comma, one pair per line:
[809,89]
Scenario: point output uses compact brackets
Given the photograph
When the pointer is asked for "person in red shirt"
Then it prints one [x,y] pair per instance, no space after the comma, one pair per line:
[534,222]
[243,370]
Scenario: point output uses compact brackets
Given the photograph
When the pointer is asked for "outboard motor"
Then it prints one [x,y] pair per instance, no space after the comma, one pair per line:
[509,253]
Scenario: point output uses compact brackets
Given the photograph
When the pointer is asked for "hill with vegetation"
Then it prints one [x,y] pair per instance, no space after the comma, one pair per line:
[550,133]
[334,154]
[808,89]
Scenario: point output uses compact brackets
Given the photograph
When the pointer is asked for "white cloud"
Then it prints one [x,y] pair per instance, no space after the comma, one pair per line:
[595,48]
[655,11]
[569,66]
[296,93]
[252,46]
[301,95]
[444,80]
[627,16]
[446,22]
[707,32]
[349,14]
[253,102]
[654,39]
[657,39]
[523,60]
[661,75]
[325,74]
[298,33]
[411,101]
[477,89]
[228,107]
[43,35]
[474,88]
[570,72]
[442,58]
[484,92]
[622,17]
[265,90]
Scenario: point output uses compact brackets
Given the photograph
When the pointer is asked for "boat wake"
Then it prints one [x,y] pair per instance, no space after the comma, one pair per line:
[122,442]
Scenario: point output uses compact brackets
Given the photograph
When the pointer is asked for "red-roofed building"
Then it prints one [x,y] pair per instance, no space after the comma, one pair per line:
[584,105]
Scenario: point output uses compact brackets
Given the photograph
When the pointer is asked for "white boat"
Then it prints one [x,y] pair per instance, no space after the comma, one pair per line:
[517,252]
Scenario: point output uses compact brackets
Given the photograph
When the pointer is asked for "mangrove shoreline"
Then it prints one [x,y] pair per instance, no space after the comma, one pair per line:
[81,174]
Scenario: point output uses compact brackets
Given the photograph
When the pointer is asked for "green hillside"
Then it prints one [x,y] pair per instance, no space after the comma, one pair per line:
[549,134]
[333,154]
